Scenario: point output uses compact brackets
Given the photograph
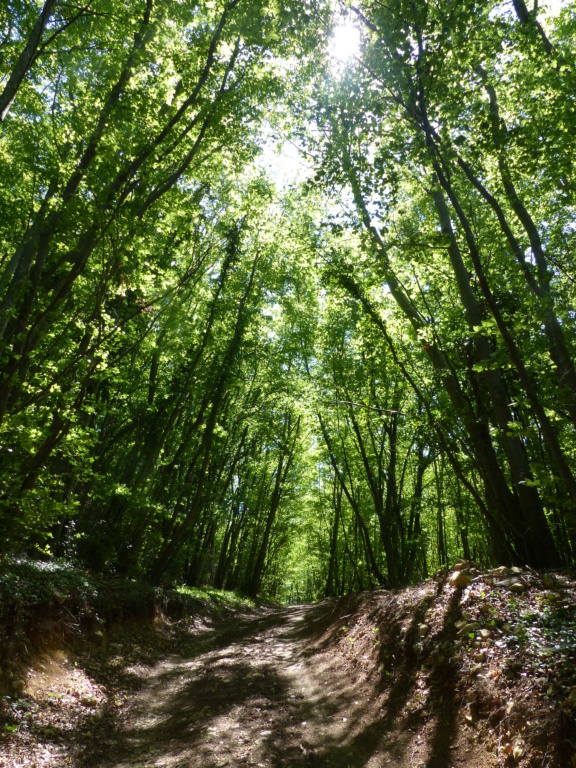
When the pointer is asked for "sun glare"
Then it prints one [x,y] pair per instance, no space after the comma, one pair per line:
[554,6]
[284,162]
[345,42]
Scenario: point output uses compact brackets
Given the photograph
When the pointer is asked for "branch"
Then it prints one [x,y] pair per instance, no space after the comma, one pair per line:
[362,405]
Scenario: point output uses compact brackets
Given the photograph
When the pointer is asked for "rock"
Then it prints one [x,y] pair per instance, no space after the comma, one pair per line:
[512,669]
[460,579]
[460,623]
[517,587]
[549,581]
[469,626]
[59,597]
[485,634]
[460,565]
[518,751]
[89,701]
[501,571]
[423,630]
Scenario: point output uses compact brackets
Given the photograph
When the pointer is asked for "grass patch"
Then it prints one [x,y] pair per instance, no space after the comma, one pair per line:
[219,597]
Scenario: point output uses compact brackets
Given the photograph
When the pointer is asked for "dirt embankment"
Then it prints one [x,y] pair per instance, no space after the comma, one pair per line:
[436,676]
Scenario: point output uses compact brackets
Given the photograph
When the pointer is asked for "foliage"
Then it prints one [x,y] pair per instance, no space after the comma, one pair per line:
[210,378]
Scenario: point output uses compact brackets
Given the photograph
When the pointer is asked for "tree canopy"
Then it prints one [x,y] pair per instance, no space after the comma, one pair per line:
[294,384]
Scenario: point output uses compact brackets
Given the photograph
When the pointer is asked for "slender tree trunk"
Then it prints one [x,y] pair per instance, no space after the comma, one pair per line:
[25,59]
[364,532]
[332,588]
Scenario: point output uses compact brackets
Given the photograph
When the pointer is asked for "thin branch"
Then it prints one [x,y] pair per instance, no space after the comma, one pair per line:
[361,405]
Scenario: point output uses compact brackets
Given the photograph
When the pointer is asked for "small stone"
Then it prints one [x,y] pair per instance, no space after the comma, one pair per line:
[485,634]
[517,587]
[460,623]
[59,597]
[423,630]
[515,666]
[460,579]
[501,571]
[89,701]
[518,752]
[467,628]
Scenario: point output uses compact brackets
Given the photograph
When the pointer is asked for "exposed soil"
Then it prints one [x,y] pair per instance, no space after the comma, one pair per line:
[430,677]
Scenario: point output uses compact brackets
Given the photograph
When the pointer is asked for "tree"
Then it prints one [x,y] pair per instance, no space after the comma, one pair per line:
[297,390]
[390,124]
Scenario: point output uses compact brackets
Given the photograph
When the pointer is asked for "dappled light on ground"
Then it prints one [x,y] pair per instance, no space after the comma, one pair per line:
[435,676]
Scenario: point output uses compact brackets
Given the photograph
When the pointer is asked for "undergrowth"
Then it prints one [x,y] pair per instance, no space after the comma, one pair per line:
[54,603]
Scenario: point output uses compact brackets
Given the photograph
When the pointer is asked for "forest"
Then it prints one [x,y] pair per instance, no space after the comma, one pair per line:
[279,319]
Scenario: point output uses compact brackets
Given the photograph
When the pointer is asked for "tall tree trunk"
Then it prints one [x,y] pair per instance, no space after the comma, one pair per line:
[25,59]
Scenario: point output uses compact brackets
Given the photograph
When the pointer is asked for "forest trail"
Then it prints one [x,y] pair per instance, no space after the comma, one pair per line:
[260,693]
[431,676]
[279,690]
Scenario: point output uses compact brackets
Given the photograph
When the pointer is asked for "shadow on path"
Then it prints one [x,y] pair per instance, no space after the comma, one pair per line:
[272,691]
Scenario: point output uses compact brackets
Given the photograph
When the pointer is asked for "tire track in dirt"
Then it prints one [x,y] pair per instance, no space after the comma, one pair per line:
[254,694]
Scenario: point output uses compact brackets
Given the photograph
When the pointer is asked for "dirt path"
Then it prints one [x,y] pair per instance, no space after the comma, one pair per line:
[427,677]
[280,688]
[247,695]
